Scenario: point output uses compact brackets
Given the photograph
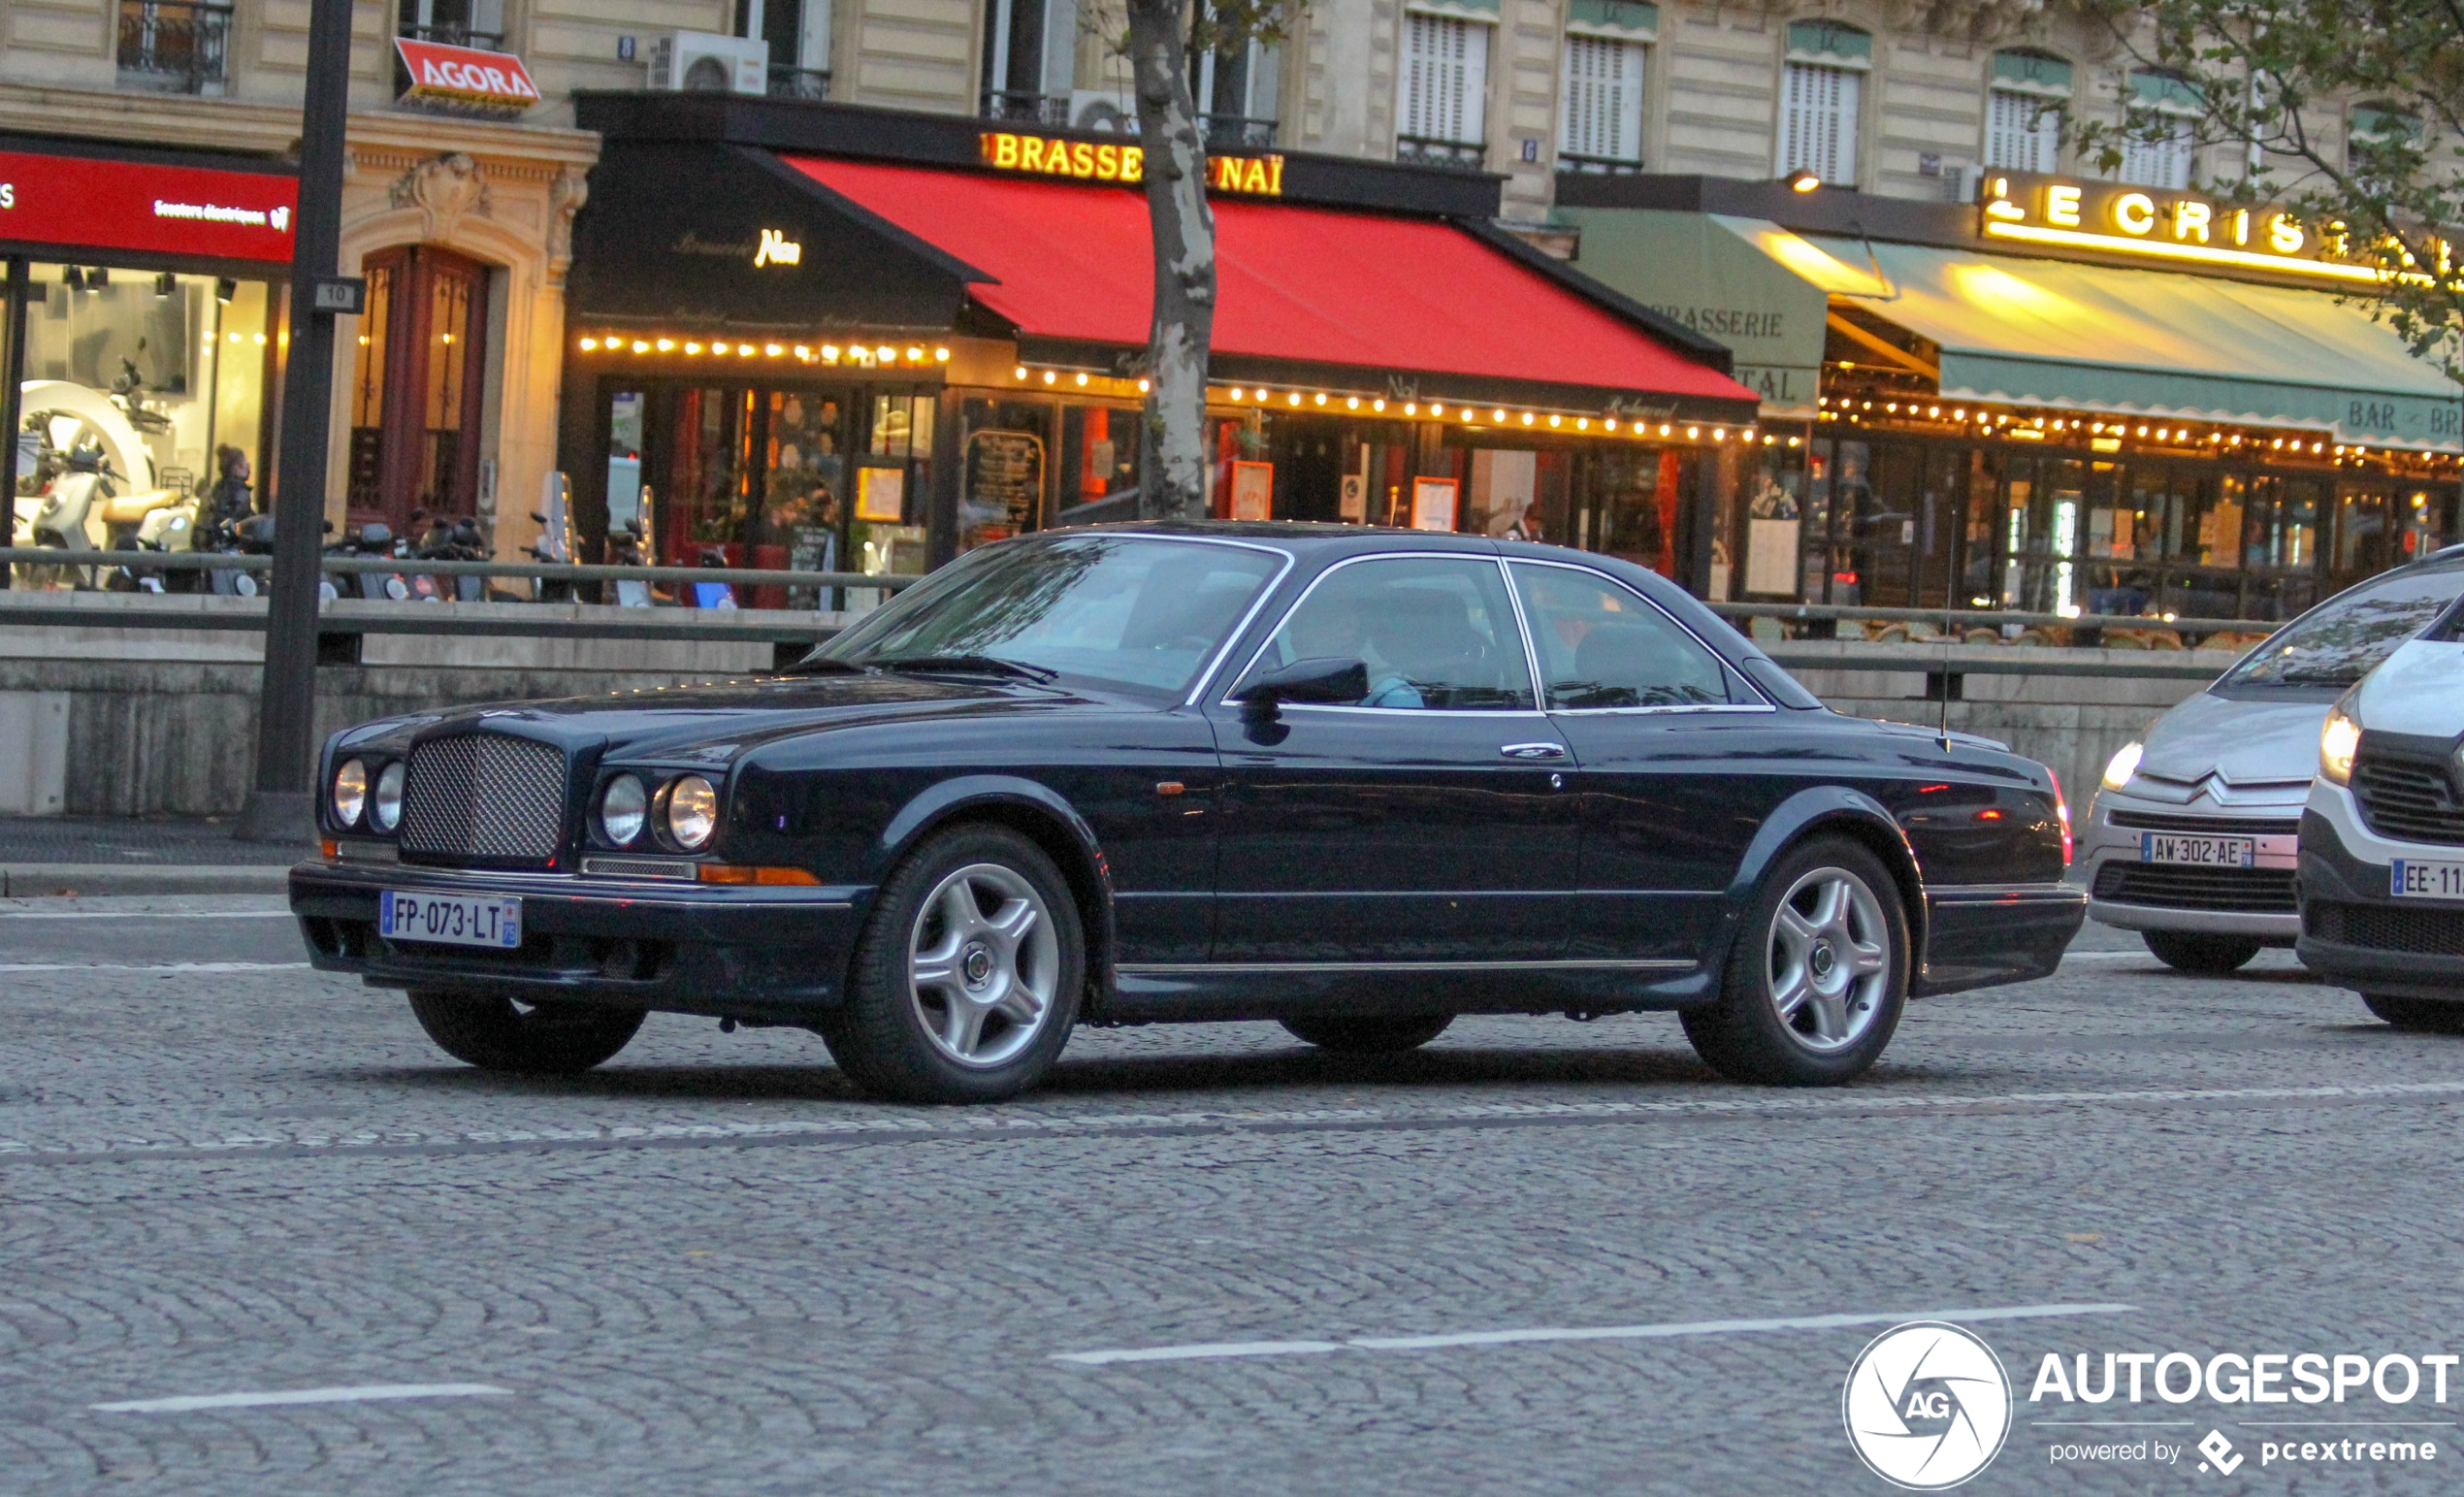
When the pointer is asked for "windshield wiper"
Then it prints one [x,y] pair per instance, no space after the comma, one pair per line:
[967,664]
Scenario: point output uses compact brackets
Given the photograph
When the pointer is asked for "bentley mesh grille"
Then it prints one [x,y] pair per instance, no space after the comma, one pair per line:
[485,796]
[2408,799]
[2431,933]
[2168,887]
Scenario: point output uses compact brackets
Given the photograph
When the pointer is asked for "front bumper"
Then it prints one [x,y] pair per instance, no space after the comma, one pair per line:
[2261,908]
[761,952]
[2357,934]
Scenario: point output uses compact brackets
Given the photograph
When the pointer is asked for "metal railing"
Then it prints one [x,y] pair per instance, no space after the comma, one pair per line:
[1237,132]
[787,82]
[1617,166]
[1024,108]
[174,47]
[1956,622]
[454,36]
[1429,150]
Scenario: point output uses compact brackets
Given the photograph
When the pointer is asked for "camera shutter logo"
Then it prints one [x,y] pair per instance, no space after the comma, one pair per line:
[1928,1406]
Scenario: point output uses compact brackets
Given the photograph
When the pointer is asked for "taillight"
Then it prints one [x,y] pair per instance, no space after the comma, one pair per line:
[2061,810]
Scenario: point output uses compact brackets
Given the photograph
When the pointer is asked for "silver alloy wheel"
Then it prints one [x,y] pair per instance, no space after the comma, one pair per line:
[983,965]
[1829,967]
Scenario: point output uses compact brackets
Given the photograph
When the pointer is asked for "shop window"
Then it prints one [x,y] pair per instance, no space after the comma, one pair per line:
[1005,463]
[886,530]
[1098,463]
[2023,110]
[1600,125]
[2162,142]
[174,47]
[416,384]
[1444,83]
[156,383]
[1821,89]
[1635,495]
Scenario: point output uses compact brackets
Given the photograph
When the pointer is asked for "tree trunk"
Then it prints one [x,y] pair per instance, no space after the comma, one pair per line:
[1172,482]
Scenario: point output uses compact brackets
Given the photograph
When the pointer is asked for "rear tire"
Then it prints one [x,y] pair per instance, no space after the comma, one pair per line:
[2209,955]
[1818,976]
[967,977]
[2417,1016]
[1369,1036]
[495,1033]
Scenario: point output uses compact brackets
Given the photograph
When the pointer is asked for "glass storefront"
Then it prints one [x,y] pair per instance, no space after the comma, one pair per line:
[156,382]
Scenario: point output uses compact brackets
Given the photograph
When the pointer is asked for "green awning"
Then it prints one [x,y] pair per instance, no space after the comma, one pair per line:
[2150,343]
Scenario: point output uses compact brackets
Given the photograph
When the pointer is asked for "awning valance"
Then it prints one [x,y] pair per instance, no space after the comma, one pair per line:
[2142,343]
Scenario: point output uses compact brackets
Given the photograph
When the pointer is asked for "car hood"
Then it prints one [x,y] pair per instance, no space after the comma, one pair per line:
[2417,690]
[2243,742]
[717,720]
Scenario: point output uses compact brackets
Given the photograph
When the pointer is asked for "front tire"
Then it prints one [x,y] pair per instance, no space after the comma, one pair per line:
[1369,1036]
[2207,956]
[1818,976]
[2417,1016]
[967,977]
[495,1033]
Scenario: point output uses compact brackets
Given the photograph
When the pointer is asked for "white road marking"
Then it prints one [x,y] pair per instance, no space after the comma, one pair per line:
[1098,1125]
[146,915]
[1653,1332]
[373,1393]
[169,967]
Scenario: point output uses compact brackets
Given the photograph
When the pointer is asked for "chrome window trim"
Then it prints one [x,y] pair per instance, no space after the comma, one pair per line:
[1762,702]
[1494,560]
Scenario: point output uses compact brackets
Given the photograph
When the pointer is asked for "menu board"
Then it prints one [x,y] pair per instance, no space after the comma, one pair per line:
[1005,478]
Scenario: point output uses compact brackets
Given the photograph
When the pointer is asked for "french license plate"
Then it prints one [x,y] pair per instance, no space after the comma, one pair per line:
[450,919]
[2200,852]
[2409,879]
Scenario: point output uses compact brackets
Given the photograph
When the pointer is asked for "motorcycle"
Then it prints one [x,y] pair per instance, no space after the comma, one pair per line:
[449,540]
[375,538]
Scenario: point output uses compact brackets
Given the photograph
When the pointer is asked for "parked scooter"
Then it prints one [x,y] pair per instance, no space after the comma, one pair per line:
[626,548]
[372,540]
[449,538]
[711,594]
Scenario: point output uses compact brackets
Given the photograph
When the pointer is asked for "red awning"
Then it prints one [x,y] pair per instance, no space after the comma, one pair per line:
[1312,285]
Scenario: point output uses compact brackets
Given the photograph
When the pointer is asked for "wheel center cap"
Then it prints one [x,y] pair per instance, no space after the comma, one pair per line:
[977,964]
[1821,959]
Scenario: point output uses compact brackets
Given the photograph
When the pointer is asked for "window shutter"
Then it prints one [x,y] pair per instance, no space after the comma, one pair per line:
[2023,131]
[1818,123]
[1446,76]
[2163,162]
[1602,100]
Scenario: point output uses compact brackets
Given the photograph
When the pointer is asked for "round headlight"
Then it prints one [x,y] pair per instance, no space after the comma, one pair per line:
[350,793]
[622,807]
[385,811]
[2125,763]
[693,812]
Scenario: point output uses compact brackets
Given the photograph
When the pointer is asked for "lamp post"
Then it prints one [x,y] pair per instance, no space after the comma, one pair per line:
[279,803]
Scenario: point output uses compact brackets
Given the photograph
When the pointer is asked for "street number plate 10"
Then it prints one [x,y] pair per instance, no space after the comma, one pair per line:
[449,920]
[2200,852]
[2410,879]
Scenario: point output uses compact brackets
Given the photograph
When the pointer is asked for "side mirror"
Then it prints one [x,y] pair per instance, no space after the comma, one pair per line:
[1332,679]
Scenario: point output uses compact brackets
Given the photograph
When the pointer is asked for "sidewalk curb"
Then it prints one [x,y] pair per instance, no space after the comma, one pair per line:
[37,880]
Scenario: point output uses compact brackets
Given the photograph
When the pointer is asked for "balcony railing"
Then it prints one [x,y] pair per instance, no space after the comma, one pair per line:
[1429,150]
[1029,109]
[454,36]
[1569,161]
[790,83]
[1237,132]
[174,47]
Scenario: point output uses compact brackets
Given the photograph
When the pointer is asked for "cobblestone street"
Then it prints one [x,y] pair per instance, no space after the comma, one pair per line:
[707,1268]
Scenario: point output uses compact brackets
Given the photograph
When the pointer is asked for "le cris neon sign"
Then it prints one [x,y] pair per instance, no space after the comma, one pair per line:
[1104,162]
[2144,223]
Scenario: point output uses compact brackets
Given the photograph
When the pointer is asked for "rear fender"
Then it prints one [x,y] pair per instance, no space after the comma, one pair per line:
[1821,809]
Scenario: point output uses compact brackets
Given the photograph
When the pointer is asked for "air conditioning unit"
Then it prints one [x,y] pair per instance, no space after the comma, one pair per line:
[701,62]
[1101,109]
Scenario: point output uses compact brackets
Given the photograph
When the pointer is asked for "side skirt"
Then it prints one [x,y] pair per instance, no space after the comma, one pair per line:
[1181,993]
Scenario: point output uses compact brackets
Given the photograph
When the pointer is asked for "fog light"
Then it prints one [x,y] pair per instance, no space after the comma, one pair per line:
[350,793]
[693,812]
[385,811]
[622,808]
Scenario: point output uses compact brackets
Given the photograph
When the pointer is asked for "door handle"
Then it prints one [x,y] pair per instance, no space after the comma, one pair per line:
[1534,751]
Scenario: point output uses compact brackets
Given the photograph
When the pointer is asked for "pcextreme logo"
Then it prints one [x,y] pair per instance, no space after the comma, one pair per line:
[1928,1406]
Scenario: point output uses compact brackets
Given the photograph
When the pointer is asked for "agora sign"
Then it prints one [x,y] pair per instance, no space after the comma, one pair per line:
[1105,162]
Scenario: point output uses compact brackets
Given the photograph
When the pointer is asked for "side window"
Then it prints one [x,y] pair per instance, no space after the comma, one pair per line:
[1601,645]
[1436,632]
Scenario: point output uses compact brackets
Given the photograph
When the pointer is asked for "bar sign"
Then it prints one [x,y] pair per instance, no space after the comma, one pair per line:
[339,295]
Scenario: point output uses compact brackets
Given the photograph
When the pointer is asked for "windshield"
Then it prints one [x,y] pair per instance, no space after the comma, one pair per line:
[2344,638]
[1132,613]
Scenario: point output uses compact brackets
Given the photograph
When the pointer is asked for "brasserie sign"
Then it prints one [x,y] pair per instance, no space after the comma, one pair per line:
[1101,161]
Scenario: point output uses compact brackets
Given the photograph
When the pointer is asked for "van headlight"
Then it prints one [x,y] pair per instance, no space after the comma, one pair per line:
[2338,742]
[350,793]
[692,812]
[624,809]
[385,807]
[2125,764]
